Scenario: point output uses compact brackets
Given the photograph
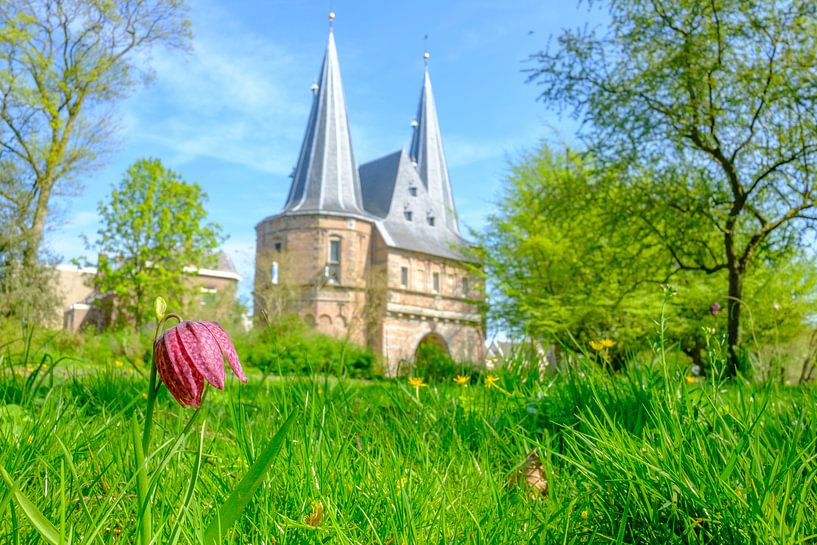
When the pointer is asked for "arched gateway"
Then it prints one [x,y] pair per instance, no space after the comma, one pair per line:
[432,341]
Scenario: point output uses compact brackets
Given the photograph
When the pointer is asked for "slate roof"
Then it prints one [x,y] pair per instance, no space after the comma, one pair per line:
[326,178]
[427,152]
[409,218]
[327,181]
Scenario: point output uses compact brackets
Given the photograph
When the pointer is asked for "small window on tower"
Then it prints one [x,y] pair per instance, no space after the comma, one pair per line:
[413,190]
[436,282]
[278,246]
[404,276]
[465,286]
[430,219]
[408,215]
[274,272]
[332,271]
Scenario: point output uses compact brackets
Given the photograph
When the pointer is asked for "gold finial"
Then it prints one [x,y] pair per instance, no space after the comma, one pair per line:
[426,55]
[331,15]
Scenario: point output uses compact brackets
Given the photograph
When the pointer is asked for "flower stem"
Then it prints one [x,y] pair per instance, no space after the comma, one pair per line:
[153,388]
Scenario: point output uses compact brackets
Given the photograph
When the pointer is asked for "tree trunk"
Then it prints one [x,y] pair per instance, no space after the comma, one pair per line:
[34,237]
[733,306]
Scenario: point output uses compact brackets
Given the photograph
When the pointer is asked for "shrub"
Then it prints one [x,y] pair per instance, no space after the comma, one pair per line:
[288,348]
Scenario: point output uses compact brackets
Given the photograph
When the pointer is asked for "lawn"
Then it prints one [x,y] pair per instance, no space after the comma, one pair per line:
[641,456]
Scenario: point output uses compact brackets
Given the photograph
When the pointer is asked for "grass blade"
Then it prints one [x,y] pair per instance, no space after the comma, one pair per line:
[35,516]
[235,504]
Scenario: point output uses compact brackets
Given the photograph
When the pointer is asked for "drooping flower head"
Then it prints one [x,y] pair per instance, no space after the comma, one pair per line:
[190,353]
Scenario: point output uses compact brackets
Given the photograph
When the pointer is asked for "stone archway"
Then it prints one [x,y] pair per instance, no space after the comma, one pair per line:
[434,340]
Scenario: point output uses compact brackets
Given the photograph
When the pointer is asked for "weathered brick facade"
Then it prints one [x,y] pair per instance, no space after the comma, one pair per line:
[373,255]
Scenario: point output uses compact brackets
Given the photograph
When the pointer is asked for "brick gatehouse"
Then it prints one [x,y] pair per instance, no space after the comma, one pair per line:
[372,254]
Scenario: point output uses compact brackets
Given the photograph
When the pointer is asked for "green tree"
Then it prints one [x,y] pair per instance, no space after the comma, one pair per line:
[719,100]
[567,261]
[563,258]
[63,63]
[153,238]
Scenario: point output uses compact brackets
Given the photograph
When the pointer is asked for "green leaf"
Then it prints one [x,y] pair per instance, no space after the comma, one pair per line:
[35,516]
[145,522]
[235,504]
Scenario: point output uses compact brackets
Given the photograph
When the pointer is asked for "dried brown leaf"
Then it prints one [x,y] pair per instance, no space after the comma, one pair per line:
[531,473]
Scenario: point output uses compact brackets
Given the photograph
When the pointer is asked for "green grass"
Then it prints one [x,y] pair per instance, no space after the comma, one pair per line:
[636,457]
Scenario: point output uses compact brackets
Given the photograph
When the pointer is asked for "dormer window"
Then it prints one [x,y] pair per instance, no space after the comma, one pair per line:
[413,190]
[407,213]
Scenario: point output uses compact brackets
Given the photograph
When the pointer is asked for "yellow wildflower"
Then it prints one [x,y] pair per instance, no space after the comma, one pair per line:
[490,381]
[584,514]
[417,382]
[402,482]
[691,379]
[118,363]
[462,380]
[608,343]
[596,345]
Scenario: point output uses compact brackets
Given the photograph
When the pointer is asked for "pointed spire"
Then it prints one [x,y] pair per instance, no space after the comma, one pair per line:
[427,152]
[326,177]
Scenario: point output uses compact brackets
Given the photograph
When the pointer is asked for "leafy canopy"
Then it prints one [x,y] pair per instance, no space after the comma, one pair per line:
[717,99]
[63,64]
[154,237]
[568,261]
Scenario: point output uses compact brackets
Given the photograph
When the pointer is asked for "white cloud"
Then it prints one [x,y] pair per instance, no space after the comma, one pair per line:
[237,97]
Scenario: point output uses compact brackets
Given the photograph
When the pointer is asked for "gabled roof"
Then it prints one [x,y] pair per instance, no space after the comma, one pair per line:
[377,180]
[326,178]
[427,152]
[409,217]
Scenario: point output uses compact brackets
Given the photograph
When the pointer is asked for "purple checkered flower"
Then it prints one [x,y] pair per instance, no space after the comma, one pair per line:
[190,353]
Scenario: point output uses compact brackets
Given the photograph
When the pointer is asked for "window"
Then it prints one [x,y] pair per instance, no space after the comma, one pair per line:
[413,190]
[430,219]
[435,279]
[334,251]
[404,276]
[208,295]
[277,246]
[332,270]
[274,272]
[407,214]
[465,286]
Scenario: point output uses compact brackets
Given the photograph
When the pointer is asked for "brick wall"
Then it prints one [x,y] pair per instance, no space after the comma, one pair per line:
[368,303]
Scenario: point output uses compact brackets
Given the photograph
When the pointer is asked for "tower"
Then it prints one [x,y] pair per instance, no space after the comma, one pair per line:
[312,257]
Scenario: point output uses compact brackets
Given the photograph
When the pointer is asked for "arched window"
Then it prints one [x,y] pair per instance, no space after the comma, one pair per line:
[274,272]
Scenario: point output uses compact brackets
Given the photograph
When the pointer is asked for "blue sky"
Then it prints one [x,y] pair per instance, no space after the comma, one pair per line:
[230,115]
